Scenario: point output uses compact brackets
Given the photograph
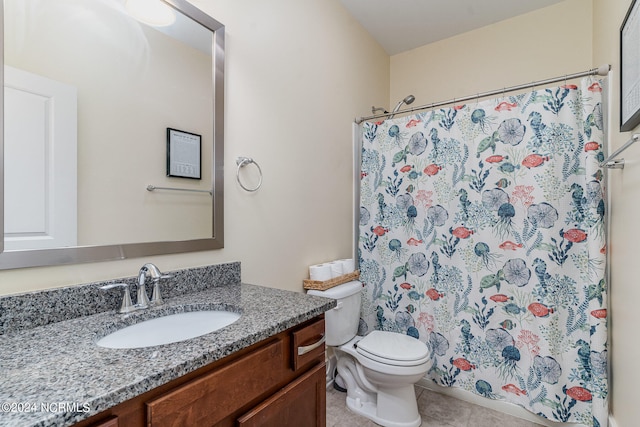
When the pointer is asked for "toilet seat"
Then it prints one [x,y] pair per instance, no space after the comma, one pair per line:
[392,348]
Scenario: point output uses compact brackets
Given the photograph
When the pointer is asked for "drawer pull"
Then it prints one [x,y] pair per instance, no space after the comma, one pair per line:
[307,348]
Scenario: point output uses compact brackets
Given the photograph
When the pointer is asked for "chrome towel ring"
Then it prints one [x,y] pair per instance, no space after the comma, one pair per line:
[242,162]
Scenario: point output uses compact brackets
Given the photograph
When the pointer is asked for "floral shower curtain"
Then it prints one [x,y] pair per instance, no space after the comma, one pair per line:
[482,233]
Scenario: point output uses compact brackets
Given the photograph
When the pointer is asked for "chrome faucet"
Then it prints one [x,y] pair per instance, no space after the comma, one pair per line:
[156,275]
[143,300]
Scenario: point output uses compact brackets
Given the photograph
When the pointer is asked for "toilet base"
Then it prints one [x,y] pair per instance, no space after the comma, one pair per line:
[383,393]
[401,401]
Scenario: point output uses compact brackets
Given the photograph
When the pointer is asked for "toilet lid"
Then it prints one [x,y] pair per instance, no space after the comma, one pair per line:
[393,348]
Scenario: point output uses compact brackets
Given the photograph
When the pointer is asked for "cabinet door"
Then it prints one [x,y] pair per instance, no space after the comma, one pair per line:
[302,403]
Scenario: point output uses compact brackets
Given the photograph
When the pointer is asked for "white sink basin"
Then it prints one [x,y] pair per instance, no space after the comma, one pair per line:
[169,329]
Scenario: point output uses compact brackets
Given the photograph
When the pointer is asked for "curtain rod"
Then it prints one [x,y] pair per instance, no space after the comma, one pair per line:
[601,71]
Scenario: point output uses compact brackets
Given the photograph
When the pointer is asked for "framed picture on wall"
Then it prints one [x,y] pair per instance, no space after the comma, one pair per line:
[183,154]
[630,69]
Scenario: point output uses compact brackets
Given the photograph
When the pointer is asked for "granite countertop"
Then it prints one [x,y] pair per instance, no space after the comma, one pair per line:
[59,366]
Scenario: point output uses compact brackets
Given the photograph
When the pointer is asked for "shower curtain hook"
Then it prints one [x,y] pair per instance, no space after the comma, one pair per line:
[565,80]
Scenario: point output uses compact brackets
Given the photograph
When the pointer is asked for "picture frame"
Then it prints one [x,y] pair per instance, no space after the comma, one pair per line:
[184,154]
[630,68]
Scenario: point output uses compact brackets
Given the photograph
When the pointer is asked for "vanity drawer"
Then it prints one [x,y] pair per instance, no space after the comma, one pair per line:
[210,398]
[308,344]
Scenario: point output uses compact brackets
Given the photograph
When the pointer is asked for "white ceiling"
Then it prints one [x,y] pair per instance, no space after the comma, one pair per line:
[401,25]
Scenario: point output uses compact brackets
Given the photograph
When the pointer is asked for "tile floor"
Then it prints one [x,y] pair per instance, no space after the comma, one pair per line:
[437,410]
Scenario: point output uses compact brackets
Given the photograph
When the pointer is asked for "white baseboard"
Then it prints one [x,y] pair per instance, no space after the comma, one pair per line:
[496,405]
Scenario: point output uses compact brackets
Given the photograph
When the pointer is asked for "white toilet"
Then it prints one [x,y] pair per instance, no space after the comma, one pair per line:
[380,369]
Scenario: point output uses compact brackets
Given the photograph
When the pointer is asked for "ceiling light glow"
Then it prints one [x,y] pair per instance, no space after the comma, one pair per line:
[151,12]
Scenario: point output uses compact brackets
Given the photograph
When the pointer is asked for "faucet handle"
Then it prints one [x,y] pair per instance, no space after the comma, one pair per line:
[156,298]
[126,306]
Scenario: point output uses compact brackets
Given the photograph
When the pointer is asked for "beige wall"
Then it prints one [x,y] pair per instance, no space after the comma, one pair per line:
[297,75]
[624,193]
[512,52]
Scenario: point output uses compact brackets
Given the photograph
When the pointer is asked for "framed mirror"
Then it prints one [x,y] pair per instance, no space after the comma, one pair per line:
[91,90]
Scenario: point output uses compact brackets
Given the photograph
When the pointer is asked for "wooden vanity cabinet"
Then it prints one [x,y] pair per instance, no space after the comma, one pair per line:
[267,384]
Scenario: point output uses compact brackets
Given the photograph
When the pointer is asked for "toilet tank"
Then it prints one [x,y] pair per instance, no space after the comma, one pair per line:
[341,322]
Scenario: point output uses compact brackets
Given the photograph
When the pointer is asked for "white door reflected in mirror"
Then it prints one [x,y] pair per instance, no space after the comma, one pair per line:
[40,162]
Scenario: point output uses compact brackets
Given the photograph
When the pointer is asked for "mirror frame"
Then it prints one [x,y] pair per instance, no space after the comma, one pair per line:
[84,254]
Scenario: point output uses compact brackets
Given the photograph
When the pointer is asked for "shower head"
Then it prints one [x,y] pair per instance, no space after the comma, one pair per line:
[407,100]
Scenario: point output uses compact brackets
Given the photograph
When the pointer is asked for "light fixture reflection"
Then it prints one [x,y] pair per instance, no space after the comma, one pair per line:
[151,12]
